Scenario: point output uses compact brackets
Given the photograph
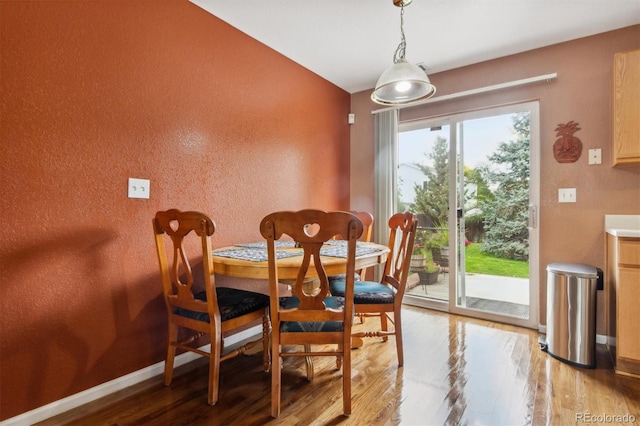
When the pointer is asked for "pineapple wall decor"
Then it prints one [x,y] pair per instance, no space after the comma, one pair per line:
[567,148]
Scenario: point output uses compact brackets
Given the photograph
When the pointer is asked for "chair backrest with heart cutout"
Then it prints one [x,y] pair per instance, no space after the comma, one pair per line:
[310,229]
[176,261]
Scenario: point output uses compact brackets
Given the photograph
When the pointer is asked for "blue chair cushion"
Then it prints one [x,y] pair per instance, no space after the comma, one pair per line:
[365,292]
[296,326]
[232,303]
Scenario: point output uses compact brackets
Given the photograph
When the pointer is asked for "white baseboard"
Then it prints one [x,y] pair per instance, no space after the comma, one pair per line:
[73,401]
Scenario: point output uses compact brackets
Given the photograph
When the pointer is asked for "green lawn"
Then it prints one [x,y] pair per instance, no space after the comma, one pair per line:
[482,263]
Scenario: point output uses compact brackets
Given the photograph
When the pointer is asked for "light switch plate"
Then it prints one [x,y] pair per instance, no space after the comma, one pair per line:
[595,156]
[566,195]
[139,188]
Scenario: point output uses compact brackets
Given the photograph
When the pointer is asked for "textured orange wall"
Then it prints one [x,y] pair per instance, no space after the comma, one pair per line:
[582,92]
[96,92]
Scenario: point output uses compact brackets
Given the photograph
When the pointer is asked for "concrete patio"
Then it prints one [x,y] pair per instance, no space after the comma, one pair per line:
[488,290]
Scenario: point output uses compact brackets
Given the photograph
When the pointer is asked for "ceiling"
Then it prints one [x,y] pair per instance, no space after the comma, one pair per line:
[350,42]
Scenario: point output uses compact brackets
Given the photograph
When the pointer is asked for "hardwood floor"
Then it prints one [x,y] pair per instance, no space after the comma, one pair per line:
[457,371]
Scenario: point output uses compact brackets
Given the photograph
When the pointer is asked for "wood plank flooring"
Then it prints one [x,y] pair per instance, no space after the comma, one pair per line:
[457,371]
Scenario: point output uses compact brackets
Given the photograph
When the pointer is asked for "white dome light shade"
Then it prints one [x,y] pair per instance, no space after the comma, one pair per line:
[401,83]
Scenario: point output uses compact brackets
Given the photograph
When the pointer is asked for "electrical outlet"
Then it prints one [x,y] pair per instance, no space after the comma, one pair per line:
[595,156]
[139,188]
[566,195]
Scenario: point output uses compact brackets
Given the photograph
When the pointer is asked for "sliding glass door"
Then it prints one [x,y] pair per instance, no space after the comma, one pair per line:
[423,188]
[473,181]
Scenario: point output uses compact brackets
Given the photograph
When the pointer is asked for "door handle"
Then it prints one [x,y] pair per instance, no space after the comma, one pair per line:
[533,217]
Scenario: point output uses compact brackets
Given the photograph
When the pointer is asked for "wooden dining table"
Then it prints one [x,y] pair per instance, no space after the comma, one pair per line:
[251,260]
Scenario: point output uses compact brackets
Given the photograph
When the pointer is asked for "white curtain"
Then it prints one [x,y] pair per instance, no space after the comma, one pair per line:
[386,151]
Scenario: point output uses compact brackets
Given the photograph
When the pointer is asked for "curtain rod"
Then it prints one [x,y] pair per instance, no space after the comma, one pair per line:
[545,77]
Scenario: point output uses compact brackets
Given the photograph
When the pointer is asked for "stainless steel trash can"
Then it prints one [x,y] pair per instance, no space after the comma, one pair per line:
[571,312]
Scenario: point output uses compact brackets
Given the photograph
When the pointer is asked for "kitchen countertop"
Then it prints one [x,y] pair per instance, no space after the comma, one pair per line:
[622,225]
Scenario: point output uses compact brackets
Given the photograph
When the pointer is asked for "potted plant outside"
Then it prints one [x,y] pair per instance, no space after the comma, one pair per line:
[430,271]
[418,255]
[438,245]
[436,239]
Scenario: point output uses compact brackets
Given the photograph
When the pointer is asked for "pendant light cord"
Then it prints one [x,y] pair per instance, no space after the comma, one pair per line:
[400,50]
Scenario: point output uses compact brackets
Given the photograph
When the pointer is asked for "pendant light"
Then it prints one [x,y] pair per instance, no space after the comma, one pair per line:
[402,82]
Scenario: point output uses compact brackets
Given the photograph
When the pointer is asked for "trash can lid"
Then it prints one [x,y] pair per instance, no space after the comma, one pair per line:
[574,269]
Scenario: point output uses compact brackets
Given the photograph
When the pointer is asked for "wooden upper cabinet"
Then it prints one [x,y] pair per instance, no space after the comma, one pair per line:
[626,108]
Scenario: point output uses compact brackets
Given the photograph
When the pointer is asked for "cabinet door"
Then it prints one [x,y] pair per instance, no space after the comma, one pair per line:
[629,249]
[626,107]
[628,339]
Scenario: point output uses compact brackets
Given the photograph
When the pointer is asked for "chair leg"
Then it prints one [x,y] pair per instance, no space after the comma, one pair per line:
[309,363]
[214,368]
[346,380]
[276,372]
[266,334]
[172,338]
[384,325]
[397,323]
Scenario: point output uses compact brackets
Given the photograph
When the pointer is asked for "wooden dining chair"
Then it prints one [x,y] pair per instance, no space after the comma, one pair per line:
[367,224]
[197,305]
[311,316]
[381,299]
[367,230]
